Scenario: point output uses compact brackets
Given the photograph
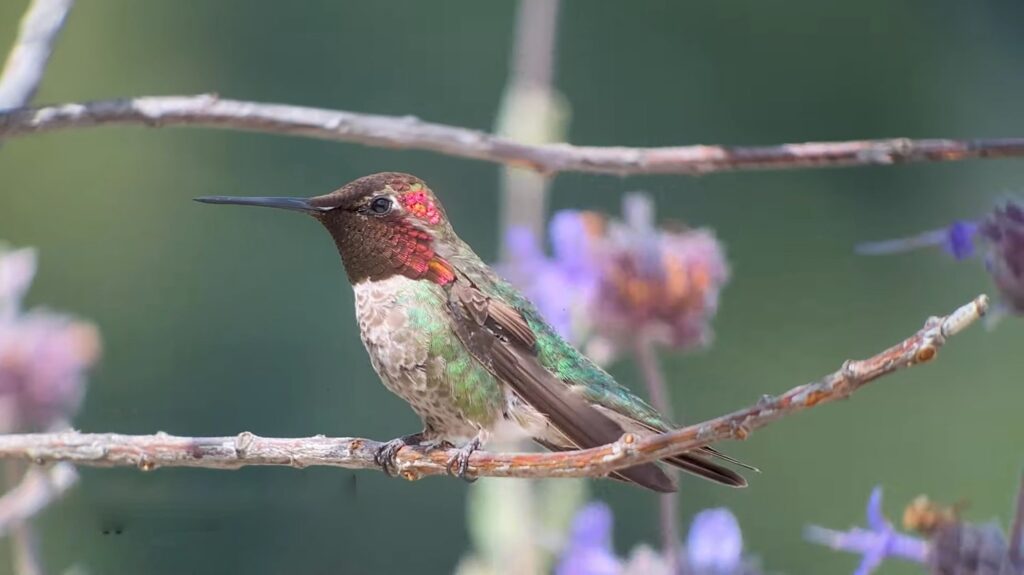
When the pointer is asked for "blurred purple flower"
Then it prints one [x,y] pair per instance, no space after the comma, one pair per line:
[714,543]
[972,549]
[590,551]
[876,543]
[1001,233]
[662,283]
[1003,230]
[43,355]
[714,547]
[959,241]
[609,280]
[562,287]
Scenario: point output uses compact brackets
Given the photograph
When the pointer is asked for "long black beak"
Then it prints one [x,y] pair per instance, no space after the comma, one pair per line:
[294,204]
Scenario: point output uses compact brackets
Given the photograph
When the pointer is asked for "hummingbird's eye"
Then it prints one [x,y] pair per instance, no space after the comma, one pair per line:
[380,206]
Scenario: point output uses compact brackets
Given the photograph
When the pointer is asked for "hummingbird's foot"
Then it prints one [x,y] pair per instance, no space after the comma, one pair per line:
[388,452]
[459,463]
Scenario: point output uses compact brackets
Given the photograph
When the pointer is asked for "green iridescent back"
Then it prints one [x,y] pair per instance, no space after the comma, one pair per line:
[556,354]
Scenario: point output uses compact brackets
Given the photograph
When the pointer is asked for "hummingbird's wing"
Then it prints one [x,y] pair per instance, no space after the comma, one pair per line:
[500,339]
[495,305]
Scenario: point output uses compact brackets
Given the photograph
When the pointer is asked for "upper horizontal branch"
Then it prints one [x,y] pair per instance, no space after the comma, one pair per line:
[413,133]
[162,450]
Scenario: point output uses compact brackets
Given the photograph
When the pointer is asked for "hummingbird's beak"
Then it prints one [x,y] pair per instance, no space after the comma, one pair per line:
[294,204]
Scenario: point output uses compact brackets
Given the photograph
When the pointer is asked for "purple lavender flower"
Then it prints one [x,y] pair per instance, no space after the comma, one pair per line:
[876,543]
[610,280]
[659,283]
[714,547]
[1000,232]
[589,551]
[562,287]
[953,546]
[957,240]
[43,355]
[1003,230]
[714,543]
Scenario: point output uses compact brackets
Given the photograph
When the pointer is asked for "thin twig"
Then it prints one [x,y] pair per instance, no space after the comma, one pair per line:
[412,133]
[162,450]
[654,377]
[32,491]
[25,556]
[37,489]
[27,60]
[657,389]
[1017,529]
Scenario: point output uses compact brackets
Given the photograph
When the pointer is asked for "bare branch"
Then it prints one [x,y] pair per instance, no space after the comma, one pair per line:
[646,357]
[410,132]
[37,489]
[162,450]
[25,64]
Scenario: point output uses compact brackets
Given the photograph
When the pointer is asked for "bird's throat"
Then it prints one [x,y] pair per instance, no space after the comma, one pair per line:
[380,251]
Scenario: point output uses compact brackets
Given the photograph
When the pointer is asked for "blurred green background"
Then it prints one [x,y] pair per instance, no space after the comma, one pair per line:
[220,320]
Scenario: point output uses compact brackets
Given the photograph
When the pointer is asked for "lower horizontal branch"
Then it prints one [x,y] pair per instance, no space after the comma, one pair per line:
[148,452]
[412,133]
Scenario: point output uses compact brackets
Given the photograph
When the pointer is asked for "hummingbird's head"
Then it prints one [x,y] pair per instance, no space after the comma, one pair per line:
[383,224]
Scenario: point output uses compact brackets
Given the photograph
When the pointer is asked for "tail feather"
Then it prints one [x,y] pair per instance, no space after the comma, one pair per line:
[647,475]
[711,452]
[652,477]
[706,469]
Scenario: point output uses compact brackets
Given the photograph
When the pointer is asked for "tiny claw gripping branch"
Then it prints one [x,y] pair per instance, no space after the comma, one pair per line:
[458,463]
[386,455]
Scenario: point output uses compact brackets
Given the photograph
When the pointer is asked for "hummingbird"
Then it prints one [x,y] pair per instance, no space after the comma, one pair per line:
[462,346]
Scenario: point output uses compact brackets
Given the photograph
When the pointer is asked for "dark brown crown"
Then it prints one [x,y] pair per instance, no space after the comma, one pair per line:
[357,191]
